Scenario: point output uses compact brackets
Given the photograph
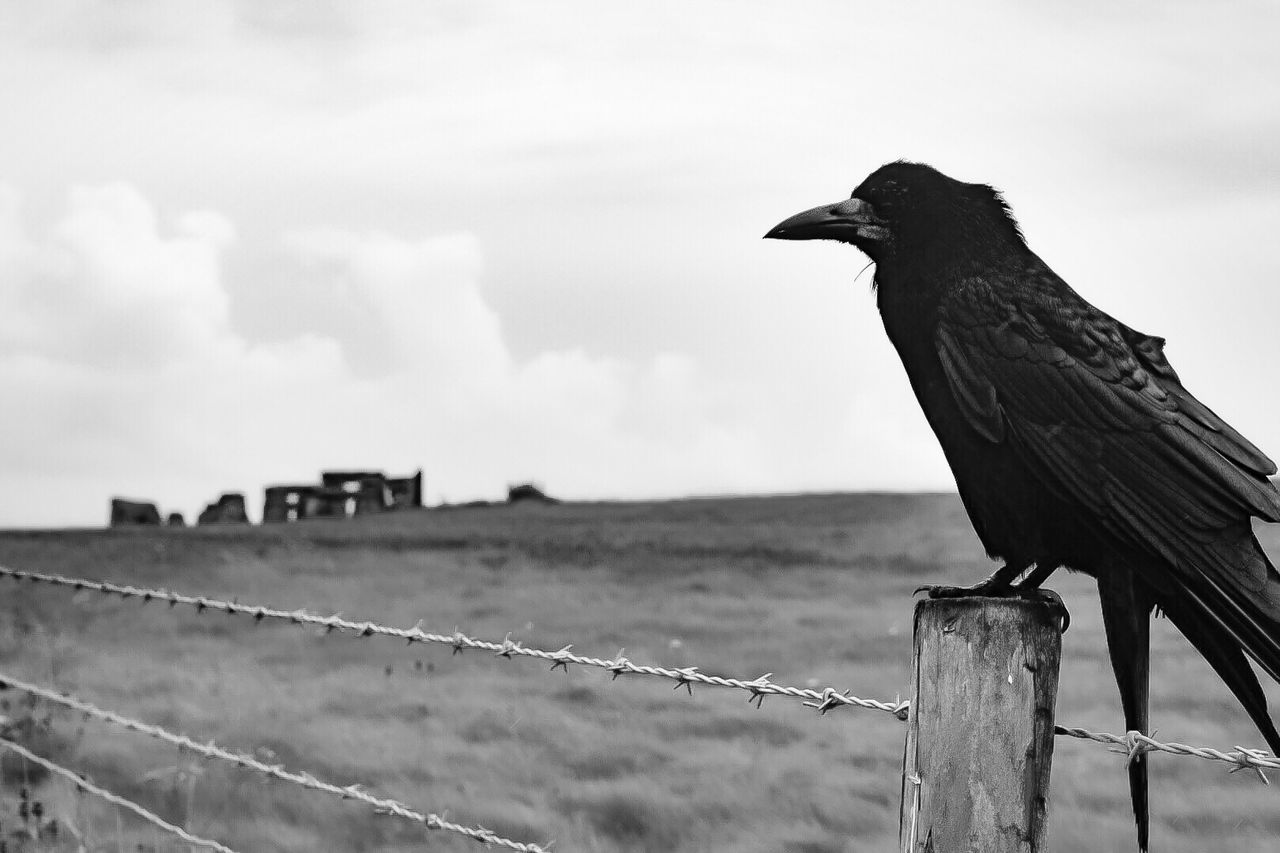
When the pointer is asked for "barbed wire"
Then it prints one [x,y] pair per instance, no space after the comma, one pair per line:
[822,700]
[115,799]
[1132,743]
[383,805]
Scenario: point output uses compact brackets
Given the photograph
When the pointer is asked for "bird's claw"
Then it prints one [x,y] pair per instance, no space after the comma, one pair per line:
[1049,598]
[988,589]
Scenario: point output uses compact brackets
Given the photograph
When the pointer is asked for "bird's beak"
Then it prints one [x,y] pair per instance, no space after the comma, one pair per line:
[851,221]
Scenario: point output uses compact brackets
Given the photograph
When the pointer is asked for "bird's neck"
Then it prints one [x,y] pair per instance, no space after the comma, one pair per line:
[908,300]
[910,286]
[906,319]
[909,294]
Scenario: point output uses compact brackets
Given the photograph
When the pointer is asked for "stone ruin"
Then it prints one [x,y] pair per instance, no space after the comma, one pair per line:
[528,492]
[342,494]
[339,494]
[229,508]
[130,513]
[127,513]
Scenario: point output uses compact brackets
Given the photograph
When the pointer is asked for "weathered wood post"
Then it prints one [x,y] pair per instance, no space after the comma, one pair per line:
[980,736]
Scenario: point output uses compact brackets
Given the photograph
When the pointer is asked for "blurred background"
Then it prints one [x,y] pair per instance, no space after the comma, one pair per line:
[242,242]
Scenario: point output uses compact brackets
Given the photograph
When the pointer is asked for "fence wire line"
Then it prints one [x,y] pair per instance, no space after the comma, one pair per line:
[1131,743]
[211,750]
[1134,743]
[823,700]
[85,785]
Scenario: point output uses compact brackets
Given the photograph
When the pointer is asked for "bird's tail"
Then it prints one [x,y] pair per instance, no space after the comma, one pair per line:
[1227,609]
[1222,650]
[1228,615]
[1126,615]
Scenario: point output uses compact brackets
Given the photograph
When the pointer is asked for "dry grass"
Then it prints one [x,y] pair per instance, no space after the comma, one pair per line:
[814,589]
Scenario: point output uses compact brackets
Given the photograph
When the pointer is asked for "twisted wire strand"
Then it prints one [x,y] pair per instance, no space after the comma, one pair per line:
[383,805]
[822,700]
[1134,743]
[115,799]
[1131,743]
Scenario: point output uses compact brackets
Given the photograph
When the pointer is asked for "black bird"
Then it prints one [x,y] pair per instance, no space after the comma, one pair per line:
[1072,440]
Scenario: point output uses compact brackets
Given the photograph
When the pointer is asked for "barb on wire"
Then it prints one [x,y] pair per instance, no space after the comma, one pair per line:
[758,688]
[115,799]
[382,805]
[1133,743]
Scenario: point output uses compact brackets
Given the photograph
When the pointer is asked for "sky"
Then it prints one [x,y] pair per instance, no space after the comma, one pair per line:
[242,242]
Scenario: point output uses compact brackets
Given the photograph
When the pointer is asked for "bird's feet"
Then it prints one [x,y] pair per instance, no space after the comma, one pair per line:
[989,588]
[994,587]
[1047,597]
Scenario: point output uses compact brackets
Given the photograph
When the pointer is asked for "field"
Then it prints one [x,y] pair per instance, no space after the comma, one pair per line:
[814,589]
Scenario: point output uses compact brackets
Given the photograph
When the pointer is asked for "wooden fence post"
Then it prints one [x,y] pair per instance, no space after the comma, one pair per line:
[980,737]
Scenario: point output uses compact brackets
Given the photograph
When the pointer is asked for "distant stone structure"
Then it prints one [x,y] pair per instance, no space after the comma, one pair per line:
[340,479]
[339,494]
[406,492]
[229,508]
[342,494]
[528,492]
[127,513]
[326,502]
[286,503]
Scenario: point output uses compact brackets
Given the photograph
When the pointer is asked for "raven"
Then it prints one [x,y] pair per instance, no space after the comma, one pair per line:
[1072,441]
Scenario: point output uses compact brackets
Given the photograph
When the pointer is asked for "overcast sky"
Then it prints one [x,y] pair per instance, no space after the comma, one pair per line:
[241,241]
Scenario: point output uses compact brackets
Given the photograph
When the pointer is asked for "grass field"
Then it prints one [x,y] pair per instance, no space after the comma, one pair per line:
[815,589]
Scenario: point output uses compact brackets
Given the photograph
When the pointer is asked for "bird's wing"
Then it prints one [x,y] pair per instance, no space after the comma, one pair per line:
[1210,428]
[1097,407]
[1093,408]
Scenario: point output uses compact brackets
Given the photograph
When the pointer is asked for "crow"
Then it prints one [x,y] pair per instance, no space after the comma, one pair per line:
[1072,440]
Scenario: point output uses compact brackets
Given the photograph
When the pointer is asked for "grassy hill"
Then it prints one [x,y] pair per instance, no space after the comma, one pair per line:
[815,589]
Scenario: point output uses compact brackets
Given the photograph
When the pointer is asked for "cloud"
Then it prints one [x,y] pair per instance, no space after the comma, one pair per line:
[452,392]
[130,379]
[424,295]
[522,240]
[105,289]
[117,353]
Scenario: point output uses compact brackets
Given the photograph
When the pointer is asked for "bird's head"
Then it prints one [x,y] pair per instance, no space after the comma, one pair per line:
[909,210]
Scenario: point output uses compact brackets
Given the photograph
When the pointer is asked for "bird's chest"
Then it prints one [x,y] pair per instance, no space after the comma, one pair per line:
[912,324]
[1009,508]
[966,450]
